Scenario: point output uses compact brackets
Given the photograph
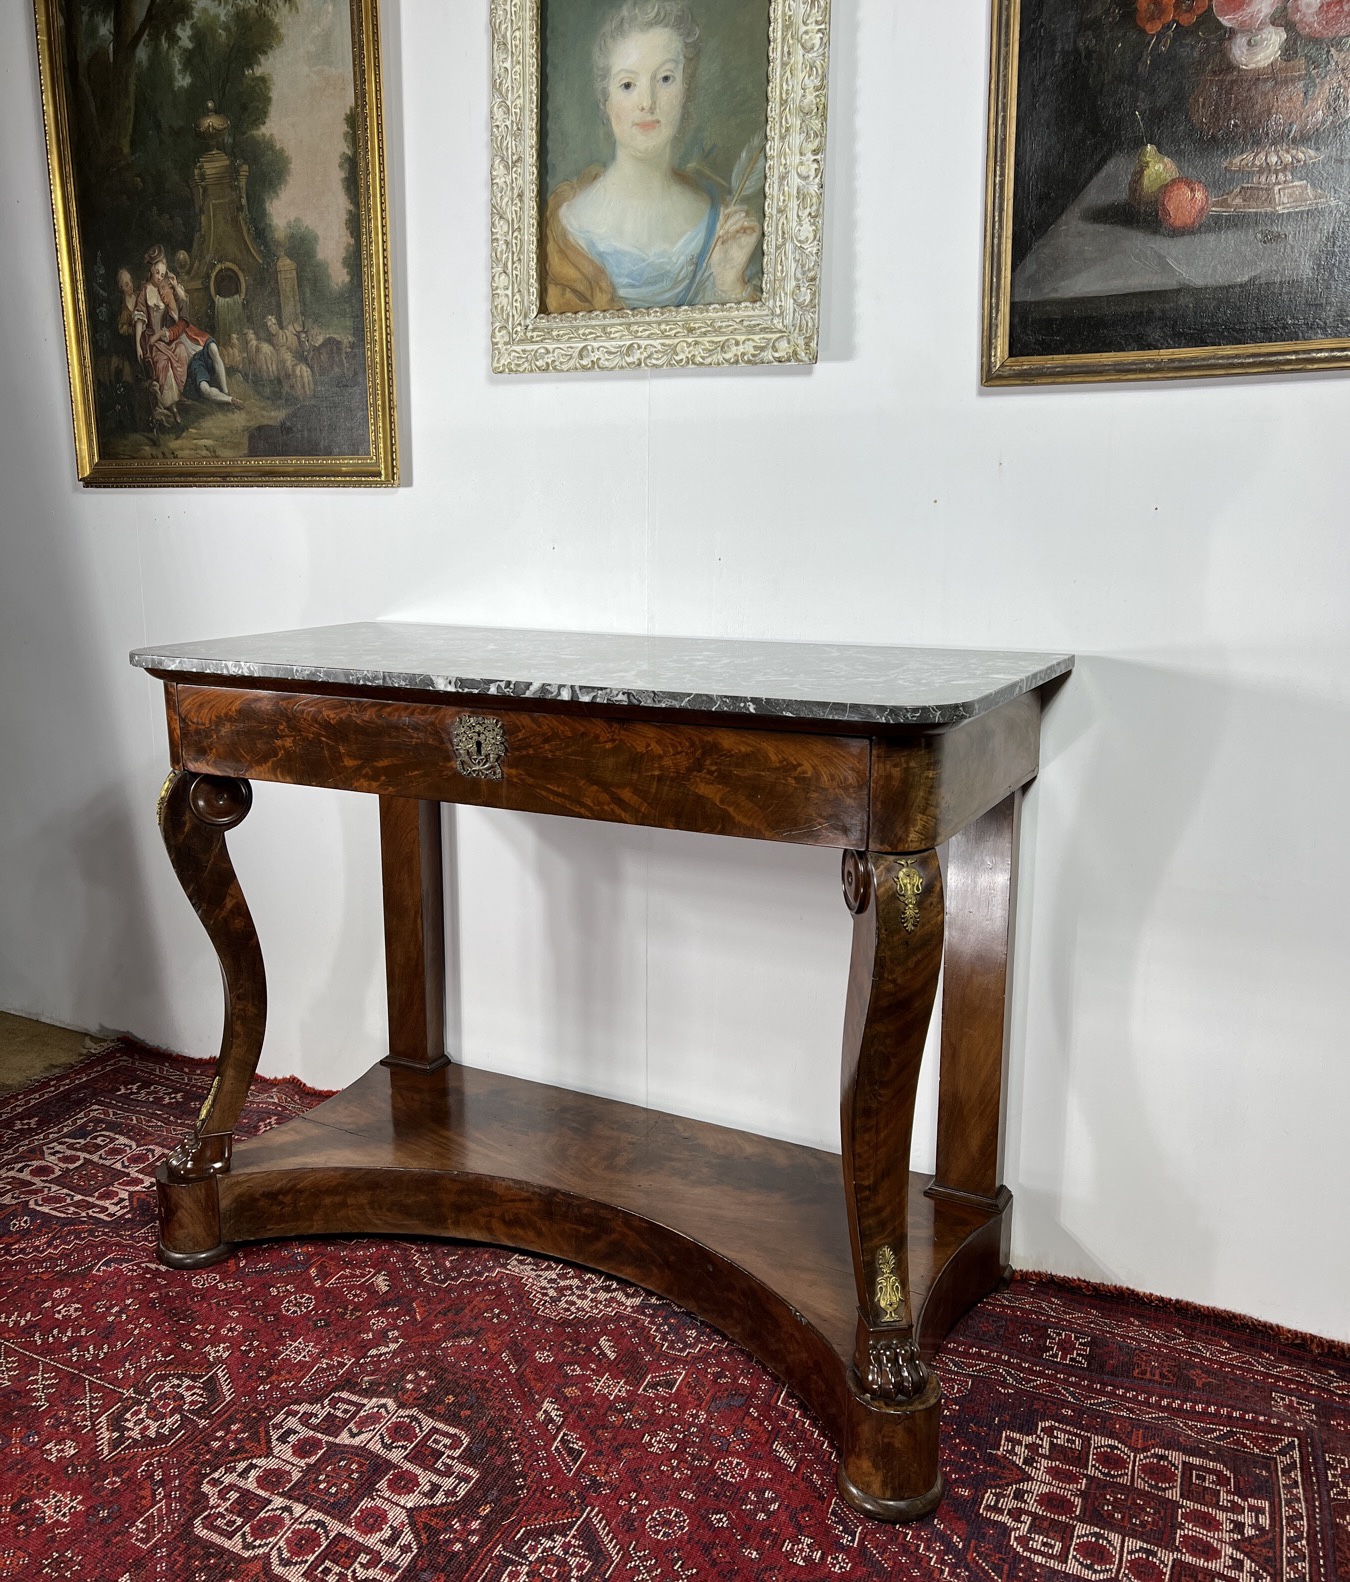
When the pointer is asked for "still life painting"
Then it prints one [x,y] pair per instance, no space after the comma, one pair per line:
[1169,189]
[218,191]
[650,157]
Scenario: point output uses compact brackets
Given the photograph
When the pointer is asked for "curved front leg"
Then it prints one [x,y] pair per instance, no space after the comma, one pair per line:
[890,1465]
[195,812]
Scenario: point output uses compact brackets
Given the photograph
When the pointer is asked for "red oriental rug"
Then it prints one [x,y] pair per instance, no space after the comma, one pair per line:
[405,1412]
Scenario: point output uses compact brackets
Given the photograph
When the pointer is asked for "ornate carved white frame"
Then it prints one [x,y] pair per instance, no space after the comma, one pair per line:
[780,328]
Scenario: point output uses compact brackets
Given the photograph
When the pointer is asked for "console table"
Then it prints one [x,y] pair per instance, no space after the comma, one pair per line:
[841,1276]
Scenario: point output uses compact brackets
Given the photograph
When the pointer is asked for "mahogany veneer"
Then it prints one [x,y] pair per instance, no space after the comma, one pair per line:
[842,1275]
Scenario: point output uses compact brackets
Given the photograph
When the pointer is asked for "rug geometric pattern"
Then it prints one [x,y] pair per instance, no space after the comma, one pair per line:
[401,1411]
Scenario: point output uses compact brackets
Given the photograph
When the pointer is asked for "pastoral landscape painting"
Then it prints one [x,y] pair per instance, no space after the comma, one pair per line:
[221,228]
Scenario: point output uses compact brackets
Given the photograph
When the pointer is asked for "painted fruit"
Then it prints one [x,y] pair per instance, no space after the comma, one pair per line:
[1152,171]
[1183,204]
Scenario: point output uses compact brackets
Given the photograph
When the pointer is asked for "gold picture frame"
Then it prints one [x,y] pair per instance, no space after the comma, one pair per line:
[536,133]
[304,364]
[1085,278]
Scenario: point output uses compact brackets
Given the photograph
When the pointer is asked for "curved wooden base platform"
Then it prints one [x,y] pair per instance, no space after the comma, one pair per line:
[748,1233]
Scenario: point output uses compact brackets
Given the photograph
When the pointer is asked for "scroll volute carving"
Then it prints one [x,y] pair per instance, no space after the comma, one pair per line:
[195,812]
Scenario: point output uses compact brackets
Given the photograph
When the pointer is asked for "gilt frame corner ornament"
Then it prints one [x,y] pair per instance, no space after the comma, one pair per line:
[778,323]
[135,423]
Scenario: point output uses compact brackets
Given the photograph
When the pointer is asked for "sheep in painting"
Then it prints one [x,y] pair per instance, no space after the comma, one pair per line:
[262,359]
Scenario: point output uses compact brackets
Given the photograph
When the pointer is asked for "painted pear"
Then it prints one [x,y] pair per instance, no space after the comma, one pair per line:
[1152,171]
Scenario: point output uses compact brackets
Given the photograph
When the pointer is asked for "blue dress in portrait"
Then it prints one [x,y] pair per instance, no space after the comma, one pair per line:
[671,277]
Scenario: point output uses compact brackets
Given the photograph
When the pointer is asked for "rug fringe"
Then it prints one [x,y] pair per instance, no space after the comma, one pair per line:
[130,1044]
[139,1045]
[1319,1345]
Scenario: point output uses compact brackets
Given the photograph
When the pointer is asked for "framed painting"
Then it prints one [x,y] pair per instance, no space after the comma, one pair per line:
[1168,189]
[217,172]
[657,182]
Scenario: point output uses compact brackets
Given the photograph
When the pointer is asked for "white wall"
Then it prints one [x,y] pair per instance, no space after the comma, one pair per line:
[1179,1082]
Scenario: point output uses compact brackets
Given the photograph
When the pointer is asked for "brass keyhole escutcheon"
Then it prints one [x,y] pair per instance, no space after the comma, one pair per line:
[480,744]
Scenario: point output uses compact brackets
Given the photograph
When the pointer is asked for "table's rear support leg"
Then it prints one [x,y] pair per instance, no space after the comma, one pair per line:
[414,932]
[889,1466]
[195,812]
[981,894]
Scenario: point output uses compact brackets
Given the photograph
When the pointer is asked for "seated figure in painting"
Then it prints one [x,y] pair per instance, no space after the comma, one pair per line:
[637,233]
[178,358]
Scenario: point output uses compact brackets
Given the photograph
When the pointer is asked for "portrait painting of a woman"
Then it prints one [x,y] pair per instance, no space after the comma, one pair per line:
[651,227]
[647,209]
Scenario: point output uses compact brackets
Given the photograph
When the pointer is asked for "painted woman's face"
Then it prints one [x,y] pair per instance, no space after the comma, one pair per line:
[646,92]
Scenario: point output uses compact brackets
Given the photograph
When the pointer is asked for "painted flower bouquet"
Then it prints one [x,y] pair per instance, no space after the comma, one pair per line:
[1252,33]
[1266,76]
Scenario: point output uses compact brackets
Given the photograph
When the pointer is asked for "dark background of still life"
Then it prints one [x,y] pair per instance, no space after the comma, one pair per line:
[1085,74]
[138,83]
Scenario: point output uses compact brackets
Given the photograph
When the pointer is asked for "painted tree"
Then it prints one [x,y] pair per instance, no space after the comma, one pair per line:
[104,40]
[351,257]
[142,73]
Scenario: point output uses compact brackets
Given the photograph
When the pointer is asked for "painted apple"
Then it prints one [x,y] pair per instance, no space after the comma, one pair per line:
[1321,18]
[1183,205]
[1245,16]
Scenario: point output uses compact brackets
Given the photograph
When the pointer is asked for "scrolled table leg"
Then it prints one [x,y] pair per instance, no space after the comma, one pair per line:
[889,1466]
[195,813]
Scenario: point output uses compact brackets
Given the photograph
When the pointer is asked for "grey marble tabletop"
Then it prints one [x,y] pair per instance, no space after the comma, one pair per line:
[827,681]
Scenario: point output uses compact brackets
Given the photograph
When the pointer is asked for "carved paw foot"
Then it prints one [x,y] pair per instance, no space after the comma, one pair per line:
[894,1370]
[197,1157]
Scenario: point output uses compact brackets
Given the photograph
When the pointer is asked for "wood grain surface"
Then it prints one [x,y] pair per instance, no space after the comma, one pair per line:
[927,787]
[414,930]
[766,785]
[981,900]
[746,1231]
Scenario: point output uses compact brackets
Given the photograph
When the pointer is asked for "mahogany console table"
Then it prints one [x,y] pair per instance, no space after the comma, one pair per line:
[842,1277]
